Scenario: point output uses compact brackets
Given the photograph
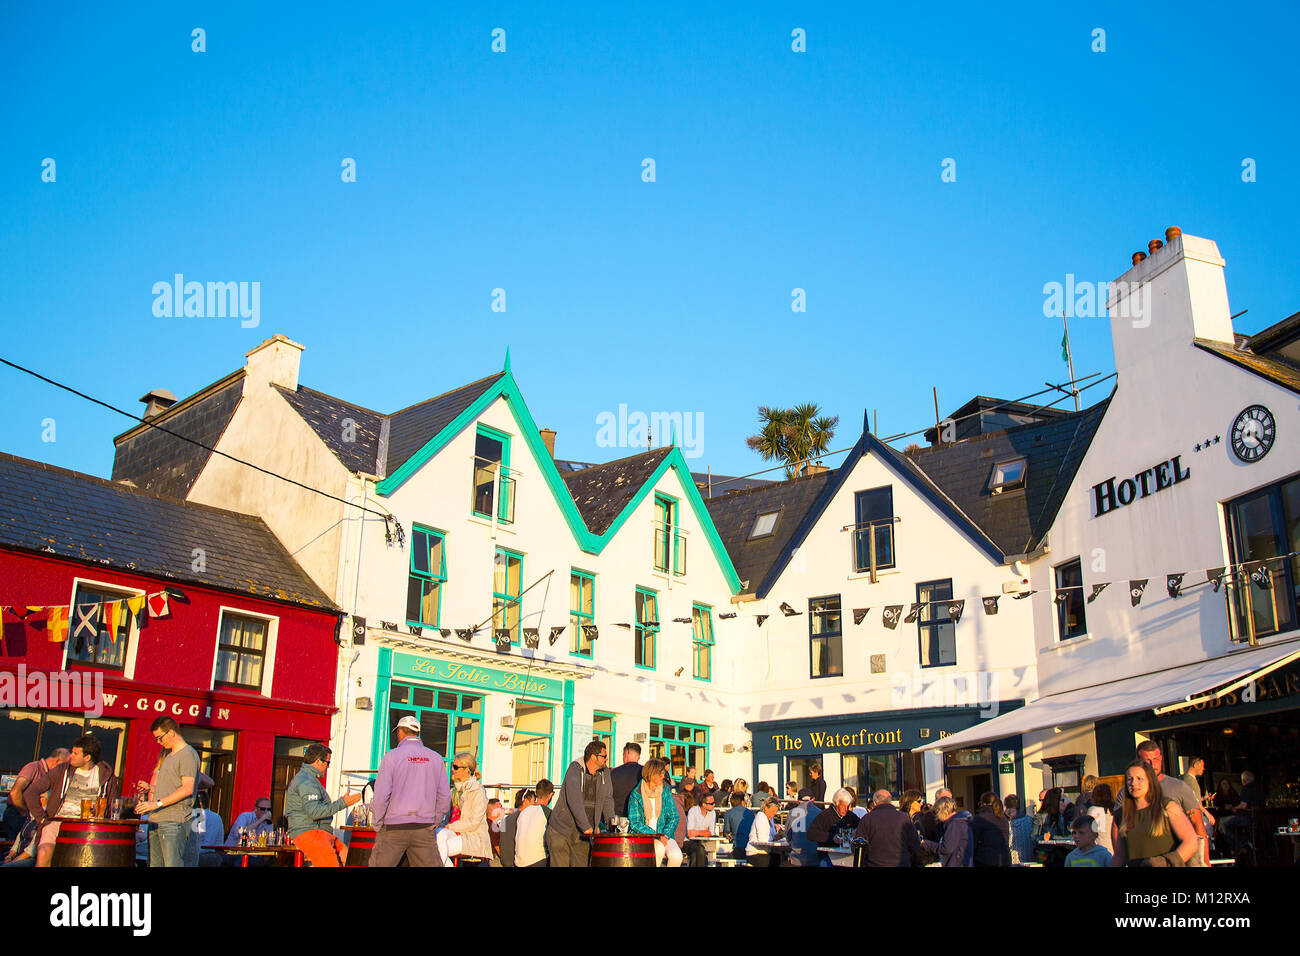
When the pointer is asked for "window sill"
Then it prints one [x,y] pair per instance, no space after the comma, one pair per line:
[487,523]
[1068,642]
[670,578]
[866,575]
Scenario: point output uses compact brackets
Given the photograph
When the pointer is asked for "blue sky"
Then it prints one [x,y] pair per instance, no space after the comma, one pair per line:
[522,171]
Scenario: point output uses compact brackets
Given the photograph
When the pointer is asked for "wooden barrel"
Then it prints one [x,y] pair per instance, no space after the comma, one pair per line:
[360,845]
[616,849]
[95,843]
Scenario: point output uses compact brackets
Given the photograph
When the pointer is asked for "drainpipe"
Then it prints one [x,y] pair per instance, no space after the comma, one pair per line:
[356,587]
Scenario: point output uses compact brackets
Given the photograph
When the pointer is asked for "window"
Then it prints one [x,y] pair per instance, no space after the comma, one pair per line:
[1262,525]
[582,610]
[670,543]
[868,772]
[825,637]
[681,746]
[873,531]
[241,651]
[647,628]
[701,642]
[1007,474]
[492,467]
[450,722]
[1070,620]
[764,524]
[28,734]
[507,591]
[428,574]
[531,746]
[937,633]
[605,728]
[112,624]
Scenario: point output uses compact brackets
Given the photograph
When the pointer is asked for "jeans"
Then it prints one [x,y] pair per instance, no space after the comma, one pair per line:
[167,843]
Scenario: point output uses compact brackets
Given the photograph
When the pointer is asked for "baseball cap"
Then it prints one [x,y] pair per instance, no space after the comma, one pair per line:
[410,723]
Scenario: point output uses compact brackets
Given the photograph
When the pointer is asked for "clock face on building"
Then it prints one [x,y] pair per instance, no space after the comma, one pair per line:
[1253,432]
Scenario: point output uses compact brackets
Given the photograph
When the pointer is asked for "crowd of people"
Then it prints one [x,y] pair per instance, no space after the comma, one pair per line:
[428,813]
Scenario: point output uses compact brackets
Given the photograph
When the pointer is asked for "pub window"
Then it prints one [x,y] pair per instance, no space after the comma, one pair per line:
[701,642]
[680,746]
[1261,526]
[450,722]
[825,637]
[428,574]
[604,727]
[111,620]
[936,631]
[28,734]
[507,591]
[582,610]
[1070,618]
[647,628]
[241,651]
[873,531]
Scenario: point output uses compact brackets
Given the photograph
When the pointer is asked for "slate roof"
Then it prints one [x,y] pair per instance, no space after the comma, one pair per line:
[1017,519]
[969,419]
[722,484]
[1270,341]
[734,514]
[153,459]
[601,492]
[412,428]
[44,509]
[326,415]
[1277,372]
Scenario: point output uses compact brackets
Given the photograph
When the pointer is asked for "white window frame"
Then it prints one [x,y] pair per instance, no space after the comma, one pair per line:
[997,487]
[133,632]
[268,659]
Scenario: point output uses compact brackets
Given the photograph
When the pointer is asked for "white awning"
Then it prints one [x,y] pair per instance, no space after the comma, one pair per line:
[1177,686]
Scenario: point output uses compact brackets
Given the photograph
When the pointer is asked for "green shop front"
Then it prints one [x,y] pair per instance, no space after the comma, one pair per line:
[873,751]
[516,721]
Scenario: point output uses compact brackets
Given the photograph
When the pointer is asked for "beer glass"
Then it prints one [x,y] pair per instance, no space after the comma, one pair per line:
[101,808]
[87,809]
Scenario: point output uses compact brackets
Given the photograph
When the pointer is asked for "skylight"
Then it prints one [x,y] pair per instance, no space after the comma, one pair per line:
[764,524]
[1008,474]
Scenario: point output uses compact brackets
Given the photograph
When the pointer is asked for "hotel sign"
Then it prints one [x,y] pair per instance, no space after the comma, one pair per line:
[1116,492]
[485,679]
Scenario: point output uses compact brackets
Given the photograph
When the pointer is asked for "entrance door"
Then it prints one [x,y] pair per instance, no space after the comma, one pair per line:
[288,761]
[217,753]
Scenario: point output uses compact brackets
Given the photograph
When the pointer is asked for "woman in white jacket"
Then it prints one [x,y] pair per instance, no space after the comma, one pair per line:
[466,834]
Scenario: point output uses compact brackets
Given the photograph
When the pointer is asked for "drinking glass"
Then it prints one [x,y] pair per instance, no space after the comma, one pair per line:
[101,808]
[87,809]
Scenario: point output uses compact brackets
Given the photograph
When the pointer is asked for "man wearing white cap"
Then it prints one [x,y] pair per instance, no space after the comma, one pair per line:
[412,797]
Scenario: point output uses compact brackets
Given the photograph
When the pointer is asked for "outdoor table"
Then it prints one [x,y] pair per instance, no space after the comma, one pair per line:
[95,842]
[284,855]
[360,844]
[1055,850]
[839,856]
[778,848]
[623,849]
[1295,841]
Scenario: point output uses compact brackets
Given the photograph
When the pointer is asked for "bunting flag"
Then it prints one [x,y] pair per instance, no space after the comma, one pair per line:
[501,637]
[531,638]
[760,618]
[1262,577]
[108,619]
[358,630]
[912,612]
[890,615]
[1174,584]
[135,607]
[1135,589]
[1215,577]
[86,624]
[1061,597]
[159,605]
[726,615]
[415,629]
[22,613]
[56,625]
[955,609]
[1024,594]
[445,631]
[628,626]
[676,620]
[991,604]
[788,611]
[466,634]
[1097,589]
[591,632]
[649,623]
[556,631]
[859,613]
[388,625]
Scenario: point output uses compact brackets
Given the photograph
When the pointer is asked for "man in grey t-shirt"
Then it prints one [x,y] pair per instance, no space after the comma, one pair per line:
[173,795]
[1180,792]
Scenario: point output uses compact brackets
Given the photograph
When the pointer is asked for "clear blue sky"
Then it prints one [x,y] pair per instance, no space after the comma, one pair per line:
[522,171]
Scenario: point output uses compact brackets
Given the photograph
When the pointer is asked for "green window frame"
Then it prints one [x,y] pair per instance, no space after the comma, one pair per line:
[670,543]
[680,745]
[702,642]
[646,636]
[534,748]
[427,575]
[451,721]
[582,610]
[492,454]
[604,727]
[507,590]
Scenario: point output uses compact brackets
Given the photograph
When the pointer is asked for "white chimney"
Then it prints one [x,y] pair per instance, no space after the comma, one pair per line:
[274,362]
[1168,298]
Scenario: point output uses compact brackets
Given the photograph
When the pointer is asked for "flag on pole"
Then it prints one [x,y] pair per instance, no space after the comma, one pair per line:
[1065,346]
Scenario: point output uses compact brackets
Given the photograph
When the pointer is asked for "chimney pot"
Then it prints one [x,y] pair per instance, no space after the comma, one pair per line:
[1154,246]
[1172,233]
[1138,257]
[157,402]
[548,439]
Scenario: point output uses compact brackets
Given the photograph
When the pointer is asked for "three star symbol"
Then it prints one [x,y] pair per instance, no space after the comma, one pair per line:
[1208,442]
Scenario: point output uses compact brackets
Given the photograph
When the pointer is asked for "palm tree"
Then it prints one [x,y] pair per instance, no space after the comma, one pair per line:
[793,434]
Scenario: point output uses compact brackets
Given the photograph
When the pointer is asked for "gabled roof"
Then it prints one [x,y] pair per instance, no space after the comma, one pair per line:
[44,509]
[153,459]
[357,447]
[412,428]
[1279,373]
[1015,520]
[601,492]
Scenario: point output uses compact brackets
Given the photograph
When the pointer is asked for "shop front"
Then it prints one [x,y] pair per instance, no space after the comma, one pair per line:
[517,722]
[871,752]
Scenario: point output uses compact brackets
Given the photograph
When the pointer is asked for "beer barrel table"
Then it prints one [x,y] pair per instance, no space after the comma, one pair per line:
[94,842]
[623,849]
[360,844]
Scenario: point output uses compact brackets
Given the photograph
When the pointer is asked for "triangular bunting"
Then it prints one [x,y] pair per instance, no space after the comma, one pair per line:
[1262,577]
[859,613]
[991,604]
[726,615]
[444,631]
[466,634]
[1135,589]
[1097,589]
[1174,584]
[108,619]
[531,638]
[955,609]
[788,611]
[1024,594]
[501,637]
[889,616]
[591,631]
[912,612]
[760,618]
[676,620]
[556,631]
[1215,577]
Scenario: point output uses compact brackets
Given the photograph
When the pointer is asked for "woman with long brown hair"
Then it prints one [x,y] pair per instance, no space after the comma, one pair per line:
[1154,830]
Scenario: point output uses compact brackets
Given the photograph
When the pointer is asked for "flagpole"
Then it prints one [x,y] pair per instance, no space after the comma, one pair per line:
[1069,357]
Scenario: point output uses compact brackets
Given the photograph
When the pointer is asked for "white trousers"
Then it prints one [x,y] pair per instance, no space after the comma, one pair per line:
[672,851]
[450,843]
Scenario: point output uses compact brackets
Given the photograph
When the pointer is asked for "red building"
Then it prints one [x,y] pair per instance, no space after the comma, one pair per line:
[244,657]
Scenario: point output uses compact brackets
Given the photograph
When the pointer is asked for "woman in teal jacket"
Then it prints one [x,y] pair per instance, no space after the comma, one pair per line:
[651,809]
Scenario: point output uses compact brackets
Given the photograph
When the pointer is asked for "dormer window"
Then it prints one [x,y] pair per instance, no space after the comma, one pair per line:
[1008,474]
[764,524]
